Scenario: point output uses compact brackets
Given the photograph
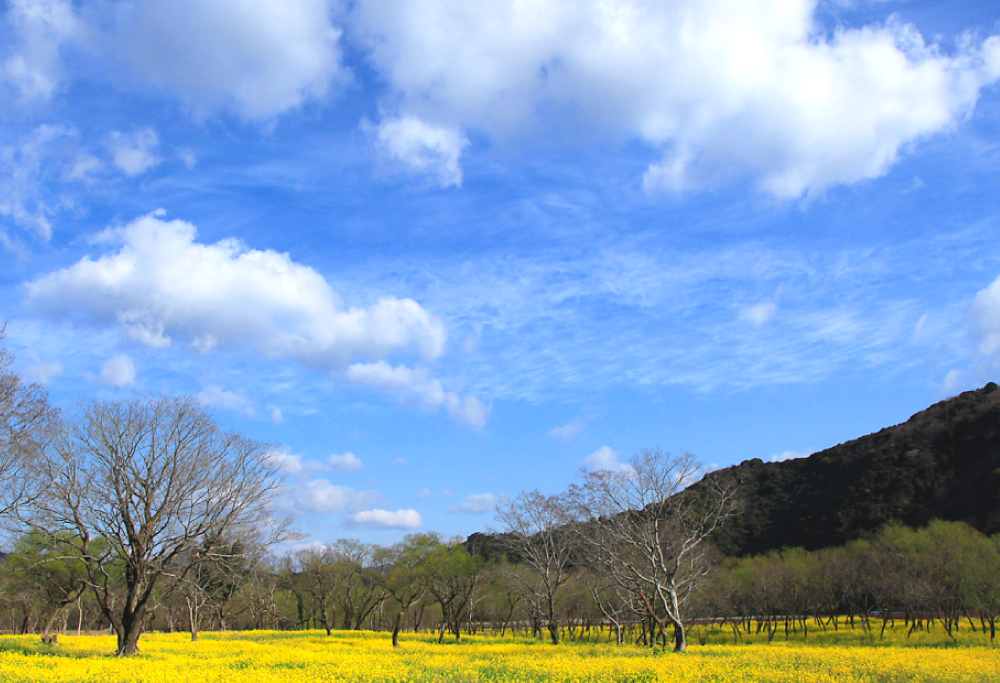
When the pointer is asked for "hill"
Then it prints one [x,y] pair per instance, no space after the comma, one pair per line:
[942,463]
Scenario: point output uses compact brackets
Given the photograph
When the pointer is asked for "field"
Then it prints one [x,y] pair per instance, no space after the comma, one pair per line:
[367,657]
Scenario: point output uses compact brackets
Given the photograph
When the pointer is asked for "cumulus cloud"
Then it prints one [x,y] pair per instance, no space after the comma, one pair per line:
[718,88]
[422,147]
[476,504]
[758,314]
[986,314]
[418,384]
[161,283]
[605,458]
[216,397]
[258,58]
[348,462]
[404,520]
[568,431]
[134,152]
[118,372]
[320,496]
[289,463]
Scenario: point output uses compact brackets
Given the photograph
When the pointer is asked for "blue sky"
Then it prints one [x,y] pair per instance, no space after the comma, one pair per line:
[441,252]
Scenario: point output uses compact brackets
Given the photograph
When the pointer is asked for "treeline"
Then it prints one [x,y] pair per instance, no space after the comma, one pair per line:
[946,576]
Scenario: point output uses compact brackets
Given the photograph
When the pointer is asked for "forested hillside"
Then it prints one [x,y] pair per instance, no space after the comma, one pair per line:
[942,463]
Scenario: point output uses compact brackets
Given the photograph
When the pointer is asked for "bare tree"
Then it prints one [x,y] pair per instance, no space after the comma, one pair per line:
[135,486]
[650,531]
[26,426]
[539,537]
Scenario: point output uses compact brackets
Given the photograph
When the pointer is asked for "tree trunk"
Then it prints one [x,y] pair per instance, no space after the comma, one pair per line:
[395,629]
[680,637]
[193,618]
[129,630]
[79,619]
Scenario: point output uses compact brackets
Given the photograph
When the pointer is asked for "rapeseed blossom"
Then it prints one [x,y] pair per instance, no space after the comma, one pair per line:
[368,657]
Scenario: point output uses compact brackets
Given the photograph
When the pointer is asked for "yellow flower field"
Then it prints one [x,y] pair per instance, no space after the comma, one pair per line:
[366,657]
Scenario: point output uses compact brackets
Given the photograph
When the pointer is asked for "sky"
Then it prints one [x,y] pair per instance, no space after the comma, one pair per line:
[440,252]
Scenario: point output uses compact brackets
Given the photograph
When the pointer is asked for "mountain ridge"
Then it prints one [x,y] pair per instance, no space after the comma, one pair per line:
[942,463]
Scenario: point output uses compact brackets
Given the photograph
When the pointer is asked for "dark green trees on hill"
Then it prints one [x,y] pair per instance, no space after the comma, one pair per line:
[943,463]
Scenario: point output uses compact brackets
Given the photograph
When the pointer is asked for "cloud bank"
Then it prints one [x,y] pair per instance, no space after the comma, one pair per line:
[718,90]
[161,284]
[721,88]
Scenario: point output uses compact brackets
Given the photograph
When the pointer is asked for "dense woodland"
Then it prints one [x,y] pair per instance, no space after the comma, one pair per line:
[146,514]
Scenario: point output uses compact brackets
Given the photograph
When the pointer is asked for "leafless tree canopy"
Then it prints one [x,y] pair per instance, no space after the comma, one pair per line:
[138,487]
[26,426]
[541,538]
[648,530]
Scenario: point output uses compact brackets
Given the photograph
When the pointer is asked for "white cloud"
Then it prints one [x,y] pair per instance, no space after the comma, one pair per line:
[41,26]
[421,146]
[758,314]
[188,158]
[23,170]
[719,88]
[476,504]
[118,371]
[39,372]
[320,496]
[986,315]
[954,381]
[134,153]
[289,463]
[568,431]
[348,462]
[257,57]
[274,412]
[161,283]
[84,167]
[790,455]
[404,520]
[221,399]
[399,462]
[605,458]
[422,494]
[418,384]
